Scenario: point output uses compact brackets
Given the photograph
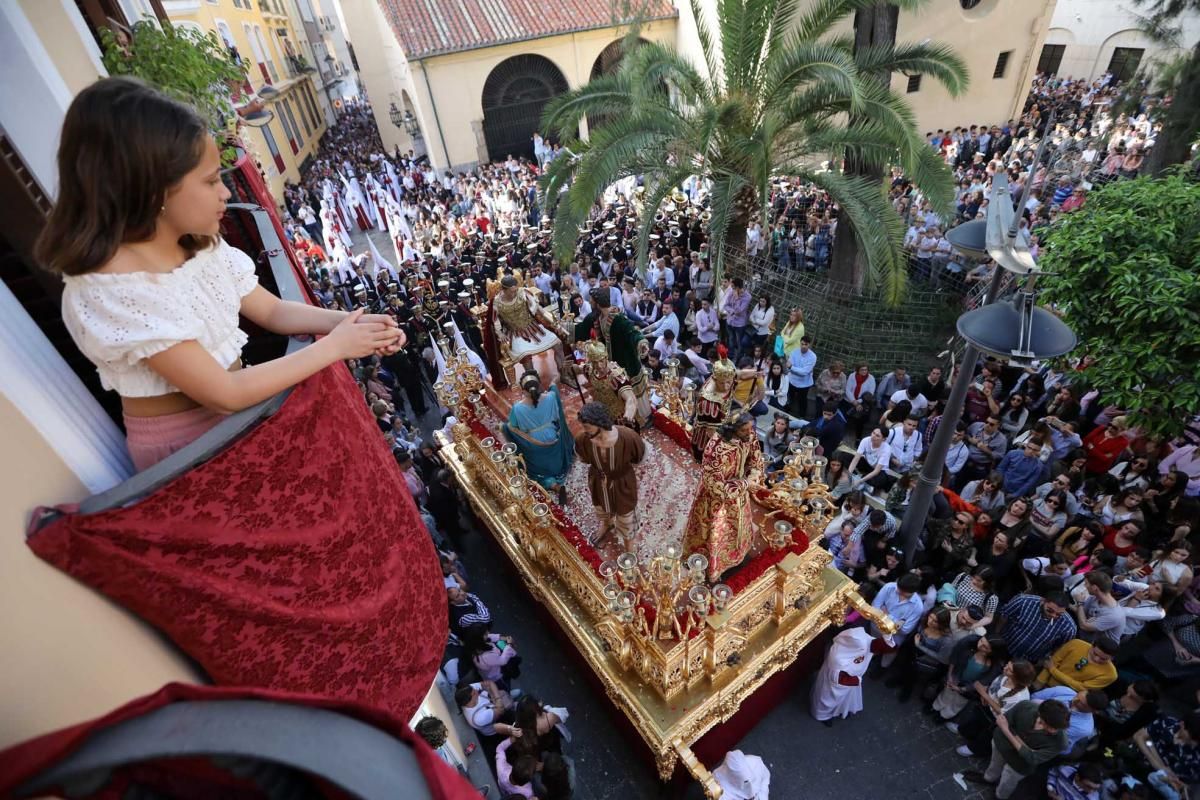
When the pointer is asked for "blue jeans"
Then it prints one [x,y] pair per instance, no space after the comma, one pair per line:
[739,341]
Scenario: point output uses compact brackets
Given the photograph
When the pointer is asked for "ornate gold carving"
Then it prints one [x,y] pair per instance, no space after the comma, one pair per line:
[673,691]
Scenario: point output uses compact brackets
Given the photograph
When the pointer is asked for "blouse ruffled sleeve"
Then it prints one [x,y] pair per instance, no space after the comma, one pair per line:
[241,268]
[122,324]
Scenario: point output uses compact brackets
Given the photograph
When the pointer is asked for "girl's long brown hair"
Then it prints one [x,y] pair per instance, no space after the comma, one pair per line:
[124,145]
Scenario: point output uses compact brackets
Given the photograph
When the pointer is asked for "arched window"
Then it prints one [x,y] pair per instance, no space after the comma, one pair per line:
[514,95]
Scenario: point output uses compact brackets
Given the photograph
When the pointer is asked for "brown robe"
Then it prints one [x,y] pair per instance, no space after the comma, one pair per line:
[611,477]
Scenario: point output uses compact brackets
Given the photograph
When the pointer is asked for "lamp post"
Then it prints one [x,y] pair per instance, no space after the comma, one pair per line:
[1017,330]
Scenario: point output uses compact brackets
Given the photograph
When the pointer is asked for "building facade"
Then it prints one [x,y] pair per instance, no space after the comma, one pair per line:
[271,44]
[477,74]
[329,53]
[1088,38]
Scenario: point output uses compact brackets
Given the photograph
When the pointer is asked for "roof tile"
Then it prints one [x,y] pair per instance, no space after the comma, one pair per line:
[433,27]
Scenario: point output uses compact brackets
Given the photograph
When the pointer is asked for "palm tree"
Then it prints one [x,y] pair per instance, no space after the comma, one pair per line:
[779,94]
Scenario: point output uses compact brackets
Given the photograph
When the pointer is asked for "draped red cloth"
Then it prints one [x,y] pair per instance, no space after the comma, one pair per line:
[262,195]
[295,560]
[20,763]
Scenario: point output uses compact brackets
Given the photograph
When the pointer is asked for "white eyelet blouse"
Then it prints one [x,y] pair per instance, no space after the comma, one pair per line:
[118,320]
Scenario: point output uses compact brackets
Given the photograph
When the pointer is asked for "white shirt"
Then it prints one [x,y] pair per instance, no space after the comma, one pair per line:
[919,403]
[119,320]
[871,455]
[761,318]
[904,451]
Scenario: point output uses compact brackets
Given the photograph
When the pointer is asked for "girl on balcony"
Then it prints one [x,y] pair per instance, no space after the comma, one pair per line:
[152,293]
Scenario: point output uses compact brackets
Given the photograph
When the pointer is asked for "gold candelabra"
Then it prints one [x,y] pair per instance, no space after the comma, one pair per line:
[799,492]
[666,583]
[677,404]
[460,388]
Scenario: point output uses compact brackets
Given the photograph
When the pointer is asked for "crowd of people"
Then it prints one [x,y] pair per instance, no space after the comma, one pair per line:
[1056,565]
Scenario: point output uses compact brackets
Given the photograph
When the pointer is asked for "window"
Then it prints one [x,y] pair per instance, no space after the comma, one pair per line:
[266,51]
[281,113]
[914,83]
[274,148]
[1001,64]
[312,106]
[226,34]
[287,111]
[1051,58]
[303,117]
[1124,62]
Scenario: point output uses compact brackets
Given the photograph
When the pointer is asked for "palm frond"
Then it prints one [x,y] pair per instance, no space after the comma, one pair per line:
[938,61]
[811,63]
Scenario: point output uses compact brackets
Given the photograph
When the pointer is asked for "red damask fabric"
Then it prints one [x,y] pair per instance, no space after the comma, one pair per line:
[295,560]
[196,777]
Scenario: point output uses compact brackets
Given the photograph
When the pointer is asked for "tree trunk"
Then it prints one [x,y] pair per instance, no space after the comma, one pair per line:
[1174,143]
[873,26]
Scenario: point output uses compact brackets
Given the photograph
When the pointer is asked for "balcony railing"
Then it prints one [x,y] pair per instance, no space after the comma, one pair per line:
[236,425]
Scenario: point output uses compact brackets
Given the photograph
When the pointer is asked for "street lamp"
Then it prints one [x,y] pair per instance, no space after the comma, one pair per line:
[405,120]
[1015,329]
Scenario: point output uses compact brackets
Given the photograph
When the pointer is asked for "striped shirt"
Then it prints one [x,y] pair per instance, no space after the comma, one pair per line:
[1030,634]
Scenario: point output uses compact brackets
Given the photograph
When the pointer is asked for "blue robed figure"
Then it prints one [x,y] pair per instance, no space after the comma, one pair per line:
[537,425]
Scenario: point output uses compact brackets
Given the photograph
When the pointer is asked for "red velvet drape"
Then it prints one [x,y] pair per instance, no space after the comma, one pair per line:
[295,560]
[195,777]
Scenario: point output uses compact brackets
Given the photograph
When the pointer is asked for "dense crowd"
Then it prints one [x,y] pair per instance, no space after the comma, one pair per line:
[1052,605]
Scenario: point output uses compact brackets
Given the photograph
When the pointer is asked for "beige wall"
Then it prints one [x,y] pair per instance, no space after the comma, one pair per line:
[978,35]
[384,72]
[76,56]
[454,83]
[66,653]
[1090,29]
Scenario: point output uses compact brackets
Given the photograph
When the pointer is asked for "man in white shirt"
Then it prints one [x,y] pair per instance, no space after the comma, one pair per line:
[914,397]
[708,323]
[669,321]
[905,444]
[667,345]
[700,364]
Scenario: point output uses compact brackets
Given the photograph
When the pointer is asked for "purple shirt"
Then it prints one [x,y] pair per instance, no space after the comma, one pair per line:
[737,308]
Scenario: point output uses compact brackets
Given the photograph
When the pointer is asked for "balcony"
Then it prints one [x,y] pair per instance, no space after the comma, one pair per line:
[265,549]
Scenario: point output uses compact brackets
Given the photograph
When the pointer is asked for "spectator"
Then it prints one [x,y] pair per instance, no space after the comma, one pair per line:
[1172,746]
[1030,734]
[490,652]
[1100,617]
[899,601]
[1080,665]
[859,398]
[1068,782]
[1022,470]
[1035,627]
[801,362]
[986,446]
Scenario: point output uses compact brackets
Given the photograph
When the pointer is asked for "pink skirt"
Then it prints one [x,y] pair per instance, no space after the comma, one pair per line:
[151,439]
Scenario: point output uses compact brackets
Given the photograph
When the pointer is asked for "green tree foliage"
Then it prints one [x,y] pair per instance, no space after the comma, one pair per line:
[779,93]
[193,67]
[1125,270]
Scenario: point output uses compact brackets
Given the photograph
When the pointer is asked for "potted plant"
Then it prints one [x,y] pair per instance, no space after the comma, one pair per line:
[194,67]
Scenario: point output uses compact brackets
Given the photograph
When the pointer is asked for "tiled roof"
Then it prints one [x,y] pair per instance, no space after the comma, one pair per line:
[433,27]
